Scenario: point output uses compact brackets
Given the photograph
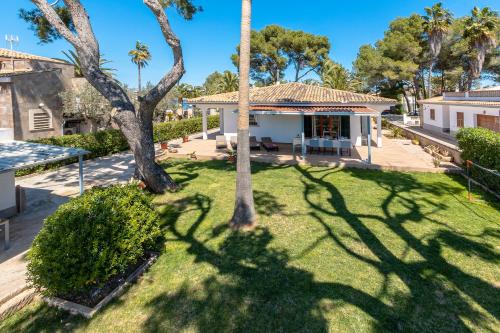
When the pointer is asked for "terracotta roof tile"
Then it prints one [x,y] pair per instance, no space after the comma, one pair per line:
[20,55]
[313,109]
[294,93]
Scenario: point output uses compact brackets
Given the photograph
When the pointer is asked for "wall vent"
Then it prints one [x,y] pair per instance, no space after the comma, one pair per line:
[40,120]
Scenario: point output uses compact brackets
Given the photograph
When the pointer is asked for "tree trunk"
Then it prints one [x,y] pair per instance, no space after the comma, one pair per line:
[244,216]
[139,77]
[139,135]
[429,86]
[408,104]
[136,124]
[442,82]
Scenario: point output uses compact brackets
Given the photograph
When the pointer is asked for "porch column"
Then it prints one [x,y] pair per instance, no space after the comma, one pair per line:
[302,137]
[204,123]
[379,131]
[369,123]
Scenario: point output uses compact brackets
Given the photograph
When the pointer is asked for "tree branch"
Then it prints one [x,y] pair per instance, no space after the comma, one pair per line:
[82,25]
[155,95]
[54,19]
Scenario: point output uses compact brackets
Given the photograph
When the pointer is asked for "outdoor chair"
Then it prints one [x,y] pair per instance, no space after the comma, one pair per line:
[6,225]
[234,142]
[220,142]
[345,146]
[254,144]
[314,145]
[268,144]
[328,145]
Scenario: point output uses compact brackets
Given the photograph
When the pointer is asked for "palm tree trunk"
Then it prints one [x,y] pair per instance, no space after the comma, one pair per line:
[244,216]
[139,77]
[429,86]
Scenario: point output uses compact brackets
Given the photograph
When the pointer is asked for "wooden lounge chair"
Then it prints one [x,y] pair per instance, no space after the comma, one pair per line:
[268,144]
[220,142]
[254,144]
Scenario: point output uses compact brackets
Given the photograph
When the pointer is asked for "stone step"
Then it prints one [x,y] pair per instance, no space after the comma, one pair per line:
[15,302]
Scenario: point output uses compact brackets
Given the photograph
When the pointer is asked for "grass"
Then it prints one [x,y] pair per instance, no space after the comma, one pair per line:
[336,250]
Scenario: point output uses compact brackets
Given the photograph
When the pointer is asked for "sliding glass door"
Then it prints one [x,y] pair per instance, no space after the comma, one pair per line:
[334,127]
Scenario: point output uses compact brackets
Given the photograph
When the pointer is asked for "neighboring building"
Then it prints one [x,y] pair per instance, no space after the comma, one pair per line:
[454,110]
[29,94]
[287,111]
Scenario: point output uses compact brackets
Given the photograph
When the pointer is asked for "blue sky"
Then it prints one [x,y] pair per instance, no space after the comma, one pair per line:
[210,38]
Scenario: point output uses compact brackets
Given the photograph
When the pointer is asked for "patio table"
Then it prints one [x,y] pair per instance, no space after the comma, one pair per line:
[338,144]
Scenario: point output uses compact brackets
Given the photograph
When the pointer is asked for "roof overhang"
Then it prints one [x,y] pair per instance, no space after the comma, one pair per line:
[314,110]
[16,155]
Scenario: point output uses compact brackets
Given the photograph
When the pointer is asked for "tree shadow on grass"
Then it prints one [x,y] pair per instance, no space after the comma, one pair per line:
[255,290]
[435,285]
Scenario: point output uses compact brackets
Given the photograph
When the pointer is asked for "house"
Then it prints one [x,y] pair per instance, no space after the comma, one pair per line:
[454,110]
[296,110]
[29,94]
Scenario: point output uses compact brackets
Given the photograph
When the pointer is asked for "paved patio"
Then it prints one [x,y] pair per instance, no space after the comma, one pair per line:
[395,154]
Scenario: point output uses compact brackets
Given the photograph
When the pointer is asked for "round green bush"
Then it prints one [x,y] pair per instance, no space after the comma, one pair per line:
[92,238]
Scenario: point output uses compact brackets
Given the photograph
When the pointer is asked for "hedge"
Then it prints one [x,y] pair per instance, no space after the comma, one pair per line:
[91,239]
[481,146]
[112,141]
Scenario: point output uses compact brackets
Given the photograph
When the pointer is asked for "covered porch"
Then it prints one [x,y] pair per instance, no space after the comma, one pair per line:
[397,155]
[306,128]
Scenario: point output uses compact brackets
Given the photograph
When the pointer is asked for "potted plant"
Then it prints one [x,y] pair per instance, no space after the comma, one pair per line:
[164,145]
[185,137]
[231,156]
[437,162]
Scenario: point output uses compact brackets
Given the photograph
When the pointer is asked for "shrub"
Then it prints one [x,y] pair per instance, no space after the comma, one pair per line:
[480,145]
[396,132]
[173,130]
[92,238]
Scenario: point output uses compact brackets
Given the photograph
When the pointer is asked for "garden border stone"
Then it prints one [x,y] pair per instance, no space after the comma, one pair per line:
[88,312]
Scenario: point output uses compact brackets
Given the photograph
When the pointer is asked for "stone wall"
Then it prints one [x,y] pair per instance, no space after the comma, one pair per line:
[6,115]
[38,90]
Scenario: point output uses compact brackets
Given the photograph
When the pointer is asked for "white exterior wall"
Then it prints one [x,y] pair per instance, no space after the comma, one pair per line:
[281,128]
[437,123]
[470,112]
[356,130]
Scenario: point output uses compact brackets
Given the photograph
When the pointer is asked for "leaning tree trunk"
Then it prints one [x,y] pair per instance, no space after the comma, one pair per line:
[244,216]
[136,124]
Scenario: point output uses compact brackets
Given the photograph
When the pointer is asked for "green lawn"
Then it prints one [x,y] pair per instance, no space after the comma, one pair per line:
[336,250]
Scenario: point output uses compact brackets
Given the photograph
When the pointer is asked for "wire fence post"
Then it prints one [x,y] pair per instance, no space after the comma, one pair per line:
[469,165]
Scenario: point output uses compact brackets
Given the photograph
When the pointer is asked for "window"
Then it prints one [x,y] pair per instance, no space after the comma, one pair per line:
[433,114]
[252,120]
[460,119]
[40,120]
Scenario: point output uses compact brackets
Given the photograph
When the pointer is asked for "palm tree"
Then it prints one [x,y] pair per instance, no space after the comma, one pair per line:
[244,216]
[481,29]
[228,82]
[437,22]
[140,56]
[334,76]
[73,59]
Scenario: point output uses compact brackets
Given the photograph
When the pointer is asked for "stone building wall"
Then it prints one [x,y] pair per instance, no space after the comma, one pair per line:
[6,114]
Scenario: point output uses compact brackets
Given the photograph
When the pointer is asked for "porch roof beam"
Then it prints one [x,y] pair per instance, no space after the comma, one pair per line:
[312,113]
